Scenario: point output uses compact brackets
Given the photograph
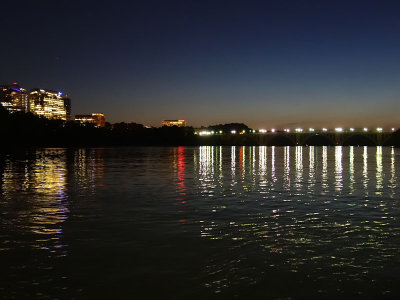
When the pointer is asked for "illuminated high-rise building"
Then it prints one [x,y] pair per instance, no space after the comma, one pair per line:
[98,119]
[13,98]
[179,123]
[49,104]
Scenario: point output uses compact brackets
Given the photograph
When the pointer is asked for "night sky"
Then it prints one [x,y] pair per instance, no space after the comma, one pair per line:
[264,63]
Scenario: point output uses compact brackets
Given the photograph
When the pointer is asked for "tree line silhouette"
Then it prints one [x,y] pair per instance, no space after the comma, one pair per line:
[20,129]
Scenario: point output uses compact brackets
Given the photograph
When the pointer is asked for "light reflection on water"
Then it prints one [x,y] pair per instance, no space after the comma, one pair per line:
[332,237]
[34,204]
[46,176]
[274,222]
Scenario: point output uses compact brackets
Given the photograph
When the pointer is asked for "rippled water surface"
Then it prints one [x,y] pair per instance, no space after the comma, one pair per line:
[200,222]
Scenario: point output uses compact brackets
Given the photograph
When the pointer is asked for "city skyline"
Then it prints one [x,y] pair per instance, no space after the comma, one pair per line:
[16,103]
[265,64]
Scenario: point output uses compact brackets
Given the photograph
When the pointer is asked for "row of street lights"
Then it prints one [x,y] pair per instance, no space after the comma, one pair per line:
[337,129]
[297,130]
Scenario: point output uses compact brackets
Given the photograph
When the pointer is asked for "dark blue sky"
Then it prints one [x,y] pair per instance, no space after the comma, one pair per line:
[264,63]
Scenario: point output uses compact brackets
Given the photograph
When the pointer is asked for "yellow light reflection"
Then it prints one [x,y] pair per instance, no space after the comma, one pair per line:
[44,179]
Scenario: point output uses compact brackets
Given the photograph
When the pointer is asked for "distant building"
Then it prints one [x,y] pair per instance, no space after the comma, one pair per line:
[179,123]
[98,119]
[83,119]
[13,98]
[67,105]
[49,104]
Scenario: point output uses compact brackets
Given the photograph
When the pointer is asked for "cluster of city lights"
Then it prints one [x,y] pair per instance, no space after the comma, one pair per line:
[297,130]
[205,132]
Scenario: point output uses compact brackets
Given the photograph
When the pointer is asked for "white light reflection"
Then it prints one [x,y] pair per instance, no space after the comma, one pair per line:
[273,175]
[324,167]
[253,161]
[233,164]
[251,166]
[299,166]
[286,172]
[365,169]
[262,157]
[262,167]
[379,177]
[392,172]
[220,160]
[338,168]
[351,169]
[207,170]
[218,163]
[206,161]
[311,171]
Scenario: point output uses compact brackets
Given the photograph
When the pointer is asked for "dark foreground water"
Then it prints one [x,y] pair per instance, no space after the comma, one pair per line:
[201,222]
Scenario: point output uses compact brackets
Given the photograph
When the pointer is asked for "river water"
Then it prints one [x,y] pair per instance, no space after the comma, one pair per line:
[200,222]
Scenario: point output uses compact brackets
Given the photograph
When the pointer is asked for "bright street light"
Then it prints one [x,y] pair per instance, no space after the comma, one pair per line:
[205,132]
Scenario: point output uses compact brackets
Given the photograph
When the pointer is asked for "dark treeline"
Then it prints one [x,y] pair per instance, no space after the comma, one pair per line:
[238,127]
[25,129]
[28,130]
